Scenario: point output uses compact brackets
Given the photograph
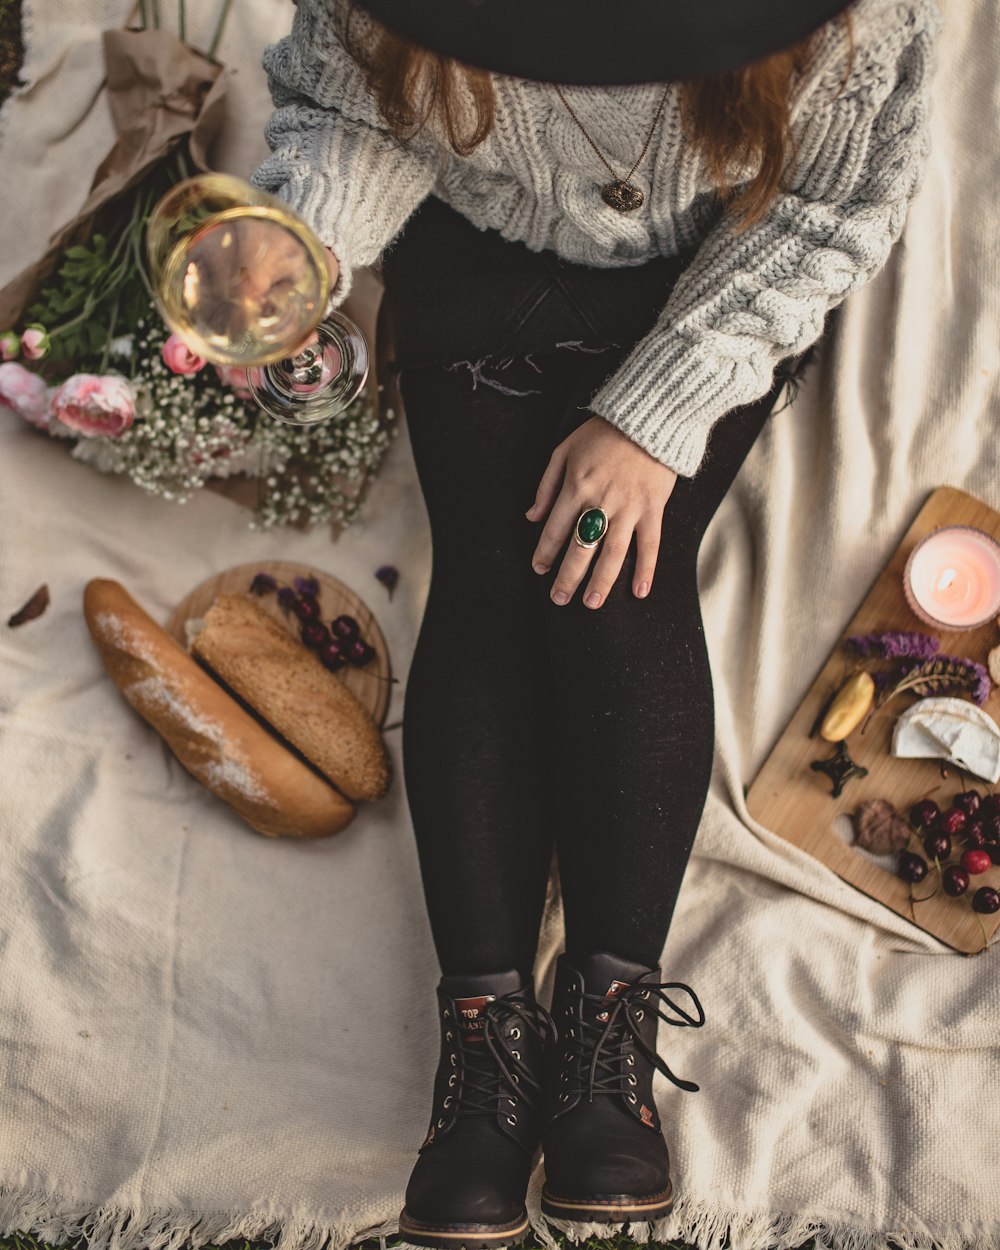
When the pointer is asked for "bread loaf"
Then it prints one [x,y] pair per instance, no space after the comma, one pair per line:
[288,685]
[214,738]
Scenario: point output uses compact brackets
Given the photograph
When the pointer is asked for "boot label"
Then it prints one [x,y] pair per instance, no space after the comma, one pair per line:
[469,1014]
[613,990]
[646,1115]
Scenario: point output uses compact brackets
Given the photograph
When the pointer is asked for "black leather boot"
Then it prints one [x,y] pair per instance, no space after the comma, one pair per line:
[468,1185]
[605,1157]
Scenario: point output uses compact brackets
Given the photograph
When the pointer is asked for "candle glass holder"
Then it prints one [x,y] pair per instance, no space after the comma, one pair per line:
[242,280]
[952,578]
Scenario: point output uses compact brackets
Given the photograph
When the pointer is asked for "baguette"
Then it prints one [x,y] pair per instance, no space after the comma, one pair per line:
[218,742]
[288,685]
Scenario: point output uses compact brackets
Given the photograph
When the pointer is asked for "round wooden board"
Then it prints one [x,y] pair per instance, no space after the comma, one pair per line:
[371,684]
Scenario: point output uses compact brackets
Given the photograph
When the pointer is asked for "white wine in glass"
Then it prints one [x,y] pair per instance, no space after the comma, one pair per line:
[243,281]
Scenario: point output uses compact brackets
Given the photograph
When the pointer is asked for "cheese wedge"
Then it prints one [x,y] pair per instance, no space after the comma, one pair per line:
[951,729]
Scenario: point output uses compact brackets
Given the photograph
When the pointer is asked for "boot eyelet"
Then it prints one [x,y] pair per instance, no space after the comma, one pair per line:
[515,1078]
[572,1032]
[512,1119]
[569,1011]
[448,1036]
[564,1075]
[512,1101]
[632,1080]
[644,994]
[446,1013]
[441,1123]
[568,1057]
[564,1097]
[631,1098]
[454,1061]
[515,1033]
[448,1101]
[639,1014]
[631,1061]
[452,1079]
[515,1054]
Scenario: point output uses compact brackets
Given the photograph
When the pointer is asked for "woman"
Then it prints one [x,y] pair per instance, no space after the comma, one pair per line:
[606,247]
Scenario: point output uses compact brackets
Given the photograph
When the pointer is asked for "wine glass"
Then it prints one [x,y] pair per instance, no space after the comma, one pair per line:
[242,280]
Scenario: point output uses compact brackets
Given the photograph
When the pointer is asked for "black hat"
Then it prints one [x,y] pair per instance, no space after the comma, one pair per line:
[597,42]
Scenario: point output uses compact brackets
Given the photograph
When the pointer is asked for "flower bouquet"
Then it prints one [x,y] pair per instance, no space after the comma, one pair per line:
[84,354]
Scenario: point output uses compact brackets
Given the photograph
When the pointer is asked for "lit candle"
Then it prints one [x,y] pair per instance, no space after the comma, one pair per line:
[952,578]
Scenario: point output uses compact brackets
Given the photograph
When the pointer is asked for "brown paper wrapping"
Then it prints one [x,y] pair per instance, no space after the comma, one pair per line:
[159,91]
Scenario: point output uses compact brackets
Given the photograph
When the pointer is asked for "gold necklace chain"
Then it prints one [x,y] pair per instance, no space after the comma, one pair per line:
[620,195]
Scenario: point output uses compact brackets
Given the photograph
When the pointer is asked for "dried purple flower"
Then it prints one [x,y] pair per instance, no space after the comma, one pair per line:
[944,675]
[262,584]
[894,644]
[306,585]
[388,575]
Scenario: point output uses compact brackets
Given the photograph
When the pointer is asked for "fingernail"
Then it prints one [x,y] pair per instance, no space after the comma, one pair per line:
[530,510]
[560,596]
[642,589]
[540,568]
[593,599]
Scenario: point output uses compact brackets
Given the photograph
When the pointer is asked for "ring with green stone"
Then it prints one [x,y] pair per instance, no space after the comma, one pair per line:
[590,528]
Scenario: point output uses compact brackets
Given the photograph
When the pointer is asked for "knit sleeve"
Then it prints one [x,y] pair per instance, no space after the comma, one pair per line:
[333,158]
[751,299]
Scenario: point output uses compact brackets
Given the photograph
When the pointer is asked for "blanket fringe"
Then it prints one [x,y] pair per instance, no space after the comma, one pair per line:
[130,1226]
[125,1226]
[712,1227]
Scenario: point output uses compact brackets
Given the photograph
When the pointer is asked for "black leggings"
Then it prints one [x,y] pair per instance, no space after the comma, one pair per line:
[525,721]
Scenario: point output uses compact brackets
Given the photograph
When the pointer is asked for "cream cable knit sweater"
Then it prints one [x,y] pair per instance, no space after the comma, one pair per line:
[746,301]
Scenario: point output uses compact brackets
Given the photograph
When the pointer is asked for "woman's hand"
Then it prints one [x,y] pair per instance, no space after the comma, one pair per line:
[599,466]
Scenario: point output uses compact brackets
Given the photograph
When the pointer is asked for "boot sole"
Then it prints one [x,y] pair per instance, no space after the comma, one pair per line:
[610,1208]
[471,1236]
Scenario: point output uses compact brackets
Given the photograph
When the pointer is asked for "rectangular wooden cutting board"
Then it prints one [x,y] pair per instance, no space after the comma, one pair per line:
[788,797]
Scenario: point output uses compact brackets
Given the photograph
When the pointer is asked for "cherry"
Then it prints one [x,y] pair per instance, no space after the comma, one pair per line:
[306,608]
[952,821]
[968,801]
[993,827]
[986,900]
[314,634]
[911,866]
[993,848]
[332,656]
[262,584]
[975,862]
[937,845]
[924,813]
[975,834]
[990,805]
[955,880]
[345,627]
[359,652]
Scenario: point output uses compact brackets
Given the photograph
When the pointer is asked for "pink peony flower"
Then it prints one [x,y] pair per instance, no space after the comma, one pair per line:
[179,358]
[10,345]
[93,405]
[235,378]
[35,342]
[25,393]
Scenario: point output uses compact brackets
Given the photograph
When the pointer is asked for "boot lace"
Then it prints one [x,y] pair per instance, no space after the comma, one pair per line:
[611,1055]
[487,1065]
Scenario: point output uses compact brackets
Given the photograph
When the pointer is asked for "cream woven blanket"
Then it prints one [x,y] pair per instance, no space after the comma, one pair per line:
[202,1030]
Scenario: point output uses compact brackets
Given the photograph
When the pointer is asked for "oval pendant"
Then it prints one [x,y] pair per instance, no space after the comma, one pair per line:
[623,197]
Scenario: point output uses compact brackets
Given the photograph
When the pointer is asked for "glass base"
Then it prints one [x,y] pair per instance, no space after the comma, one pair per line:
[321,381]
